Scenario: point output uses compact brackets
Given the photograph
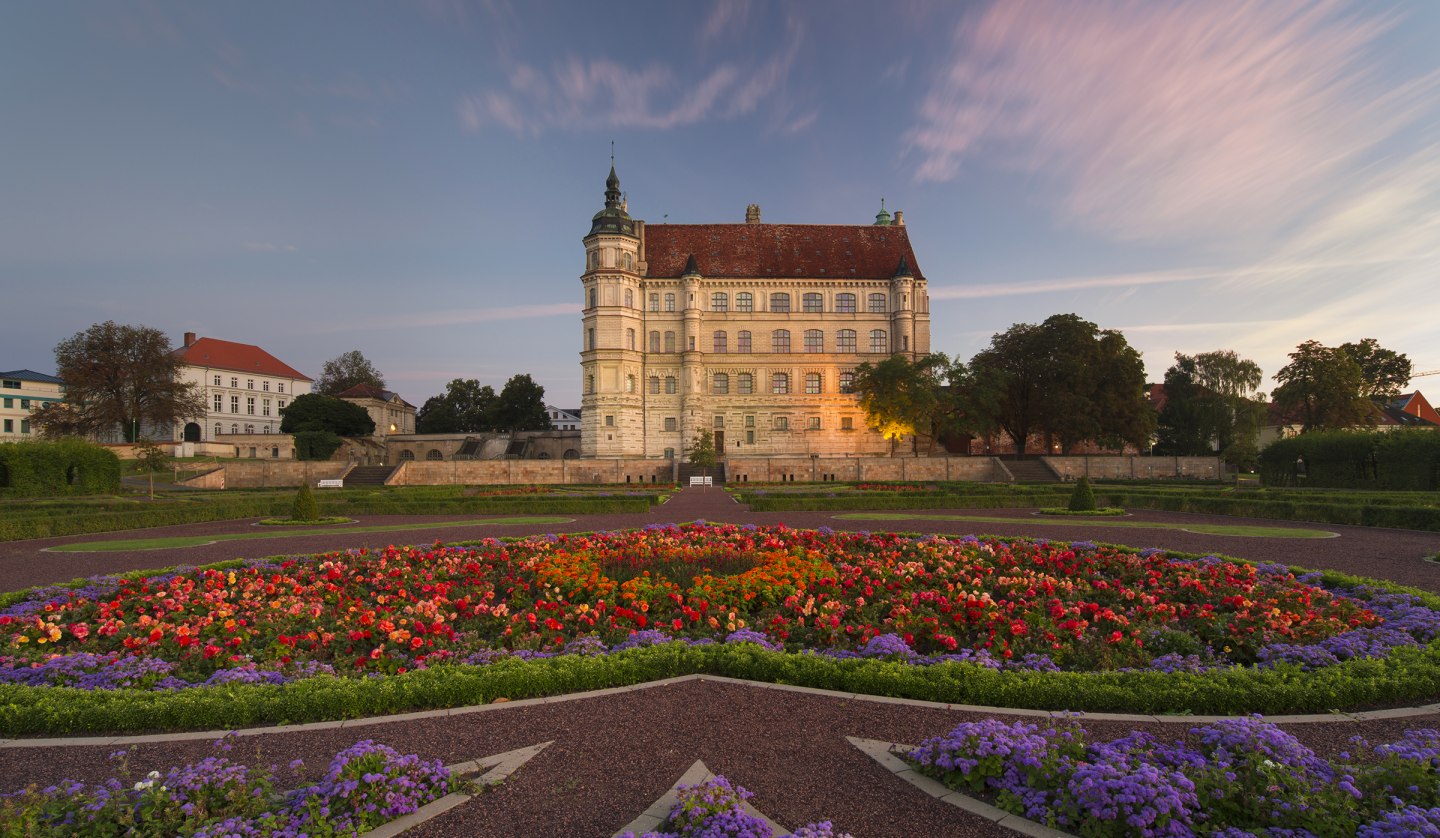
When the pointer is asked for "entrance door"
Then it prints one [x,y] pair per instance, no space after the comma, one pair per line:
[720,443]
[192,432]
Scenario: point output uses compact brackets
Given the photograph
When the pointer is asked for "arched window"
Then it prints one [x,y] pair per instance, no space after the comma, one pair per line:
[879,340]
[742,342]
[746,383]
[406,454]
[629,337]
[669,341]
[812,383]
[629,383]
[745,302]
[814,340]
[629,298]
[589,338]
[594,297]
[670,384]
[655,385]
[654,341]
[780,302]
[545,455]
[878,304]
[217,430]
[625,262]
[780,340]
[845,303]
[812,303]
[669,302]
[434,454]
[721,343]
[571,454]
[593,259]
[845,340]
[721,385]
[654,302]
[234,428]
[780,383]
[719,301]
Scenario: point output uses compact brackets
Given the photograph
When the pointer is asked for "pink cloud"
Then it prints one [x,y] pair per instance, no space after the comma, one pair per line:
[1160,120]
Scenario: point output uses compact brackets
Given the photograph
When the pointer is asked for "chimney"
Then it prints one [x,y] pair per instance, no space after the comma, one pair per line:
[189,338]
[899,218]
[752,214]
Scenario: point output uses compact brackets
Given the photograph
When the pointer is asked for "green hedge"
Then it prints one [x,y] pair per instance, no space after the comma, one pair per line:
[857,502]
[42,468]
[1354,514]
[1407,460]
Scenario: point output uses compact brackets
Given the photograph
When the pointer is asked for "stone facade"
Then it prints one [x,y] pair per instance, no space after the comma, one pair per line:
[245,389]
[748,330]
[390,413]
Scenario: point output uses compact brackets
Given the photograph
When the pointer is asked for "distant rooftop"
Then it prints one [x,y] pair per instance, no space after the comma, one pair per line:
[31,375]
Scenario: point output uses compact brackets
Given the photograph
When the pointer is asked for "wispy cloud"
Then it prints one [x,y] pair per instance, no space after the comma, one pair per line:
[460,317]
[1160,120]
[579,94]
[726,17]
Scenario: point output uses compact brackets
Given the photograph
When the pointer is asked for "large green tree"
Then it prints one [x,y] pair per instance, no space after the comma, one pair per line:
[345,371]
[521,406]
[464,407]
[119,376]
[314,412]
[1322,387]
[1211,404]
[1383,372]
[901,397]
[702,454]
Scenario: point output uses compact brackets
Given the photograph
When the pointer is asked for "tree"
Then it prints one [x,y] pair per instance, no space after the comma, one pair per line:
[1211,404]
[120,376]
[464,407]
[346,371]
[1322,387]
[521,406]
[312,412]
[900,397]
[1083,498]
[56,420]
[304,507]
[702,451]
[152,458]
[1383,372]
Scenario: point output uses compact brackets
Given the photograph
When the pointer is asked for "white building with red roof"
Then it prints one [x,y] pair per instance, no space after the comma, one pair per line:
[245,389]
[750,330]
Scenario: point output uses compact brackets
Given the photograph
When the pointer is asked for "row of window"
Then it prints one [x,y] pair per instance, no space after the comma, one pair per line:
[219,405]
[235,429]
[780,383]
[846,340]
[250,384]
[810,303]
[10,426]
[626,261]
[779,423]
[10,402]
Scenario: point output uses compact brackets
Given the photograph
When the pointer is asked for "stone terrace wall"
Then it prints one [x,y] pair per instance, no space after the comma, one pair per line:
[505,472]
[1136,468]
[862,469]
[252,474]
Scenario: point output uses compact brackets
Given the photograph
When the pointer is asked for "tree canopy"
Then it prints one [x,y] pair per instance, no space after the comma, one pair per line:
[119,376]
[521,406]
[345,371]
[1383,372]
[1065,379]
[900,397]
[464,407]
[314,412]
[1322,387]
[702,453]
[1211,404]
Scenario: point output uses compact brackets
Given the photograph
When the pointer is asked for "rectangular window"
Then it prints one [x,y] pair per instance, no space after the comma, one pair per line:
[780,303]
[721,384]
[812,383]
[814,423]
[782,423]
[719,421]
[280,388]
[12,384]
[655,385]
[24,426]
[9,401]
[845,303]
[847,423]
[749,421]
[721,343]
[879,341]
[265,385]
[281,405]
[747,383]
[654,302]
[669,423]
[745,302]
[250,406]
[217,381]
[814,340]
[669,302]
[692,343]
[265,407]
[749,437]
[654,341]
[669,341]
[813,303]
[878,304]
[670,384]
[780,340]
[235,383]
[845,340]
[24,404]
[780,383]
[669,453]
[629,338]
[609,421]
[249,384]
[218,403]
[847,382]
[234,404]
[743,342]
[9,426]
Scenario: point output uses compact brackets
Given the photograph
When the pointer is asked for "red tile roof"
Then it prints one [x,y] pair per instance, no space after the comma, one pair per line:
[809,251]
[237,357]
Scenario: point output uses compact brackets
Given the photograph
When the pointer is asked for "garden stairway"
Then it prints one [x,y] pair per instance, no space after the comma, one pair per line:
[1031,471]
[368,475]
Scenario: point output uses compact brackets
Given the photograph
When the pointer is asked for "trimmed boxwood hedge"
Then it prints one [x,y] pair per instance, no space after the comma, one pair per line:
[1404,459]
[50,468]
[1406,675]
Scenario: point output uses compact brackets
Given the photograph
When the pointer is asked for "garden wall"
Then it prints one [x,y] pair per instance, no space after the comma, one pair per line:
[254,474]
[862,469]
[1136,468]
[503,472]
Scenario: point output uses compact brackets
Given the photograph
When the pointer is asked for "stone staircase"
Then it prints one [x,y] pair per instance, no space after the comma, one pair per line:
[1031,471]
[687,471]
[368,476]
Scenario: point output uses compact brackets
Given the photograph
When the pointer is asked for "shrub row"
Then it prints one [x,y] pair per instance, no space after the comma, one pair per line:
[38,468]
[1355,514]
[48,526]
[1404,459]
[856,502]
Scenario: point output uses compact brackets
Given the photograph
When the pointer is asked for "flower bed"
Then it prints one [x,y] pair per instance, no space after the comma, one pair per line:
[1003,605]
[713,809]
[1234,778]
[366,785]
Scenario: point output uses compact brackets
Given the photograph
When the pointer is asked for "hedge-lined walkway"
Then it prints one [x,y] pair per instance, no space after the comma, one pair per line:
[615,754]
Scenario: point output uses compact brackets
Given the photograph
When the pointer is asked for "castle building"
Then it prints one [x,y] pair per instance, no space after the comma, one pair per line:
[751,331]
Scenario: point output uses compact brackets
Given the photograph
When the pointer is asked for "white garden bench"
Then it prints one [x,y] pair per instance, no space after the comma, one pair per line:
[702,481]
[336,483]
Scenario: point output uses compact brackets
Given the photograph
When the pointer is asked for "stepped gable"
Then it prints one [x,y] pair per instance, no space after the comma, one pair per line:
[236,357]
[766,251]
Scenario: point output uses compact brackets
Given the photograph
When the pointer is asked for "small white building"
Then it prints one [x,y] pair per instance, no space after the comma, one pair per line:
[562,419]
[22,392]
[245,389]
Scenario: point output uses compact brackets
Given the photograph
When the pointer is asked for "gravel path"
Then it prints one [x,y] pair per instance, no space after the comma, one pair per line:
[614,755]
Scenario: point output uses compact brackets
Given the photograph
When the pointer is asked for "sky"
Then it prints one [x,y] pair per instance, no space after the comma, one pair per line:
[413,180]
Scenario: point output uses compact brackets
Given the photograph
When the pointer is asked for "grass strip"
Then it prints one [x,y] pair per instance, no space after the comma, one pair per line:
[1206,529]
[128,544]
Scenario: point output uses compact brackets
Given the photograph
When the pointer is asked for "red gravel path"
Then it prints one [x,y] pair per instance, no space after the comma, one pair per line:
[614,755]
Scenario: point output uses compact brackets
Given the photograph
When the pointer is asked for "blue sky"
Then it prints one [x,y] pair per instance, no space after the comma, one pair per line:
[413,180]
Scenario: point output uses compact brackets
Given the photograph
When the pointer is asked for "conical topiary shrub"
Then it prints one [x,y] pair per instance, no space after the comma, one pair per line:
[305,508]
[1082,499]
